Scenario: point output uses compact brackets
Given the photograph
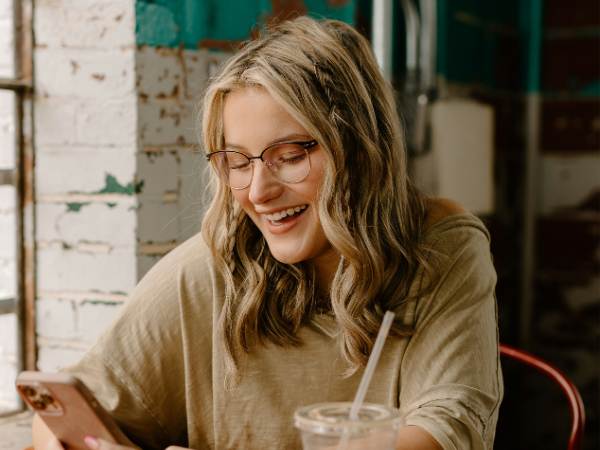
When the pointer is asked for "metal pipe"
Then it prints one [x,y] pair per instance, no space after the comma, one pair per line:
[427,56]
[413,27]
[382,35]
[533,27]
[14,85]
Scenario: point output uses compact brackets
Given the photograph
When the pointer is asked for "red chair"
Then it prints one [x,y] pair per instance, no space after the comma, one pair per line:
[577,411]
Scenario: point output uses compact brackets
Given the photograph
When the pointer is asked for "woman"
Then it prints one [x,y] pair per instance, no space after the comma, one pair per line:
[314,231]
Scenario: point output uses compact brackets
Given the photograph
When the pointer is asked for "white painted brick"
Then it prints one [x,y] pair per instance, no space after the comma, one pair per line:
[55,318]
[167,124]
[7,105]
[159,172]
[7,143]
[78,170]
[159,74]
[7,198]
[8,235]
[190,220]
[73,3]
[566,181]
[197,70]
[8,230]
[6,40]
[8,361]
[145,263]
[8,395]
[157,222]
[52,359]
[54,121]
[193,199]
[91,24]
[8,335]
[84,73]
[94,317]
[107,123]
[96,222]
[8,277]
[68,269]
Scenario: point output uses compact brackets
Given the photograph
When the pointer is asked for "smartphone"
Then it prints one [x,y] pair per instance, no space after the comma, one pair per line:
[69,409]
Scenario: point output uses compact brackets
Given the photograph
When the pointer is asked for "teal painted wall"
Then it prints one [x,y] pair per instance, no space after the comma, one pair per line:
[195,23]
[478,42]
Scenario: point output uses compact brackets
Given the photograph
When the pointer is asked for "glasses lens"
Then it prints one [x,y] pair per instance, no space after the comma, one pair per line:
[233,168]
[289,162]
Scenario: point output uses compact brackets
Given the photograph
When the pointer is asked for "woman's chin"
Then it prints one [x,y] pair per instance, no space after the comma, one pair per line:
[287,259]
[287,256]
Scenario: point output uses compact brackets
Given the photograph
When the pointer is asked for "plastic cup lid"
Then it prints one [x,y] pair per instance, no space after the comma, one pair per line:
[334,418]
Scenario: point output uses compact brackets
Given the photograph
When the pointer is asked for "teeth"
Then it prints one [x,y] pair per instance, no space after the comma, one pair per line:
[285,213]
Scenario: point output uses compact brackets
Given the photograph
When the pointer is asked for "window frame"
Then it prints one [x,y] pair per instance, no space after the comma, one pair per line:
[22,178]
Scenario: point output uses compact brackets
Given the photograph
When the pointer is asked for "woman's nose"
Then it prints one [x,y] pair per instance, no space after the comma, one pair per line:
[265,186]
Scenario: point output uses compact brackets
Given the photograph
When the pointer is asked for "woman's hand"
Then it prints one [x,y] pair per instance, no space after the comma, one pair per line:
[100,444]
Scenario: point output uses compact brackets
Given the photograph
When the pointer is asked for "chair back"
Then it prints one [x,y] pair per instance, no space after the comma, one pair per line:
[577,411]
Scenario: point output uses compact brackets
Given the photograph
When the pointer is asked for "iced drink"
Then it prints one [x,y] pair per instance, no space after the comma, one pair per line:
[327,426]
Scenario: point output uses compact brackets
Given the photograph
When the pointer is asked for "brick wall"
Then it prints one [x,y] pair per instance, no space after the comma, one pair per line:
[118,178]
[169,83]
[86,145]
[8,322]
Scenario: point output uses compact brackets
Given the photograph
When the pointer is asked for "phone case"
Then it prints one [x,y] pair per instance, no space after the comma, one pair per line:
[69,409]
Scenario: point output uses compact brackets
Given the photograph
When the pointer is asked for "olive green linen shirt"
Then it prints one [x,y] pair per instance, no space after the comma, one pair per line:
[157,368]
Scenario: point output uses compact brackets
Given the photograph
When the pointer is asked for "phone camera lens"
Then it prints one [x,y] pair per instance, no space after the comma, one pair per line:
[47,399]
[28,391]
[39,404]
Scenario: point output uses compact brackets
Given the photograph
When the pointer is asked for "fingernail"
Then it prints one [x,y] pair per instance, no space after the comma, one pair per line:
[92,443]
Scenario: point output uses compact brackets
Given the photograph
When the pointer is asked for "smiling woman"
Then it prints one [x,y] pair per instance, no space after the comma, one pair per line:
[315,230]
[252,116]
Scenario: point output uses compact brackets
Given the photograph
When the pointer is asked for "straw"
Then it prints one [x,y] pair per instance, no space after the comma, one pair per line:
[388,319]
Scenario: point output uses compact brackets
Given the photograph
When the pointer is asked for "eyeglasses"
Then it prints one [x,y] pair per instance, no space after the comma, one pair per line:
[288,161]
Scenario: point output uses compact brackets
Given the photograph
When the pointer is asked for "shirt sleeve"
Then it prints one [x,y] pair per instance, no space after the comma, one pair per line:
[451,380]
[137,368]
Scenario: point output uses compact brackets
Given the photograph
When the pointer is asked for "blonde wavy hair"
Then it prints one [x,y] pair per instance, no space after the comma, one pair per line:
[324,74]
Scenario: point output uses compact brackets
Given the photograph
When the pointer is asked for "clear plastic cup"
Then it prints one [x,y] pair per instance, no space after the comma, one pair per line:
[327,426]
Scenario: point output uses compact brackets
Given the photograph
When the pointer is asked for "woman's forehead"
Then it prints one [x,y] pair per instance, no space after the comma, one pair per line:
[252,114]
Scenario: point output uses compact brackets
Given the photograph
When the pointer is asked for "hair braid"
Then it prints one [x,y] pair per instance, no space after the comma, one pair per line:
[323,76]
[231,235]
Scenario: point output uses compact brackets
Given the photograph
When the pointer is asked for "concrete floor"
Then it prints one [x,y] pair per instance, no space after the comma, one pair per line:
[15,432]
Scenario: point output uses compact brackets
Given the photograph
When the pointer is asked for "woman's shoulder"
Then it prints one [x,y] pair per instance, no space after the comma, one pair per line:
[189,266]
[441,208]
[192,254]
[447,219]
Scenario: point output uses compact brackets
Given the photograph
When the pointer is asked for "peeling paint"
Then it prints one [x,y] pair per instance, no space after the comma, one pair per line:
[93,247]
[75,207]
[210,24]
[170,197]
[80,297]
[81,198]
[156,248]
[114,187]
[73,344]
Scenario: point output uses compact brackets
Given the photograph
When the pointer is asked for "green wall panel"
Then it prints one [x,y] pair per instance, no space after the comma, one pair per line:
[194,23]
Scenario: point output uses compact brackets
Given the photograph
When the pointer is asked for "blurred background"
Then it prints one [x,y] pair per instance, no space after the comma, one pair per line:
[100,174]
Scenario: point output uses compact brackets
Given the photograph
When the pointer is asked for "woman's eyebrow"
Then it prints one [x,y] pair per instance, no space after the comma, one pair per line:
[286,138]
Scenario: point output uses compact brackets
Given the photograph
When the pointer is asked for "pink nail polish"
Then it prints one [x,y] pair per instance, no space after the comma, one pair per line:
[91,442]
